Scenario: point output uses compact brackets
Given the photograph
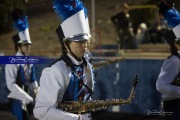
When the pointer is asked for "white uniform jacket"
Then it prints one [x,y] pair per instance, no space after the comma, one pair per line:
[169,70]
[16,92]
[53,83]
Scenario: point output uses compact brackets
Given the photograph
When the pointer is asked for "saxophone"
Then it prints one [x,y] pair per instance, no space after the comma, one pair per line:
[99,64]
[79,107]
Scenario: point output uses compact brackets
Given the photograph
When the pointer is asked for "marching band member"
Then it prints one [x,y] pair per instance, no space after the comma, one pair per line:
[20,78]
[70,78]
[168,82]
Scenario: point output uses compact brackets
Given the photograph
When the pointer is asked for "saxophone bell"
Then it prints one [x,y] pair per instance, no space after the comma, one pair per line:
[135,82]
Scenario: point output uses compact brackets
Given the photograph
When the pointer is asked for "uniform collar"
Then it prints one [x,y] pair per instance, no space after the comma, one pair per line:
[19,54]
[74,61]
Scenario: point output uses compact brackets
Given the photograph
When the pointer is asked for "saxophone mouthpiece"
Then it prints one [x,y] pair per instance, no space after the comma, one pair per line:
[135,82]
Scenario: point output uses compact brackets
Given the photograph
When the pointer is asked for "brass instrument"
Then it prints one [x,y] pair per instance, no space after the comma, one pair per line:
[99,64]
[91,106]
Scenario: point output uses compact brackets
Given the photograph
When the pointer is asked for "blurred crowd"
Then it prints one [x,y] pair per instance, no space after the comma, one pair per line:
[156,33]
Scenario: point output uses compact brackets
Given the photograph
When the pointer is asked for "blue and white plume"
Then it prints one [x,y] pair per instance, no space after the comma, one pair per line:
[66,8]
[172,17]
[21,24]
[73,15]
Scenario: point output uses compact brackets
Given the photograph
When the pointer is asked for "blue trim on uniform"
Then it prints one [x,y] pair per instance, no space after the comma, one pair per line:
[75,91]
[78,77]
[32,76]
[17,109]
[76,87]
[68,95]
[22,75]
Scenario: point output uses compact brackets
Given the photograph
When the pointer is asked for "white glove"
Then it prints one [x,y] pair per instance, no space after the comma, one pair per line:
[26,98]
[29,99]
[86,116]
[36,90]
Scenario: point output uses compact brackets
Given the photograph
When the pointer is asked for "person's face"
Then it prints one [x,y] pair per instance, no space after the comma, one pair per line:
[177,45]
[26,48]
[79,47]
[126,10]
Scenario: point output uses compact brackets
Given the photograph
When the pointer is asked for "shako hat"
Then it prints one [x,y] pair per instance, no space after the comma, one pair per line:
[75,25]
[20,23]
[171,16]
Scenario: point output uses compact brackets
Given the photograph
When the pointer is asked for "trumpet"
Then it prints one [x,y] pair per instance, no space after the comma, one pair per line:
[79,107]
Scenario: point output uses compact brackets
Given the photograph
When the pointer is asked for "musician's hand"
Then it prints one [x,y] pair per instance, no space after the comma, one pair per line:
[29,99]
[86,116]
[36,90]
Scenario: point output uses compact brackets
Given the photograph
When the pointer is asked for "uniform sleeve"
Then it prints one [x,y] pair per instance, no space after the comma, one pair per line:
[52,87]
[16,91]
[169,70]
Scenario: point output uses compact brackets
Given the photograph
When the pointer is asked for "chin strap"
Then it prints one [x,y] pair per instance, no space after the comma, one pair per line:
[68,61]
[78,59]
